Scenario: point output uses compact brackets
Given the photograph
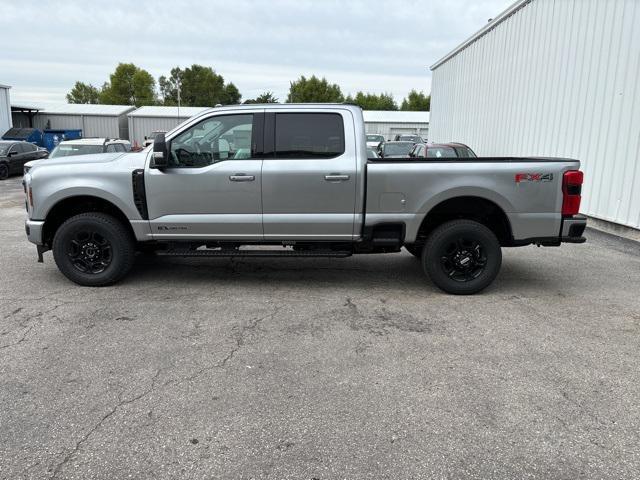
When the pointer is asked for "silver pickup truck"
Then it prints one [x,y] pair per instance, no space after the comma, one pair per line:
[295,180]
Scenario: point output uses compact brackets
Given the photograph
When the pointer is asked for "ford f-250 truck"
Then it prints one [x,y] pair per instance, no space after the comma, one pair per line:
[295,180]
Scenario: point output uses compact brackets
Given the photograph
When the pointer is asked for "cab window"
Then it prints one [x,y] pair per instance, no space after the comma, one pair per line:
[214,139]
[309,135]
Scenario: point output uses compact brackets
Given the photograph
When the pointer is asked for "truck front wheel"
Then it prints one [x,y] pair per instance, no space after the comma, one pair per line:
[462,257]
[93,249]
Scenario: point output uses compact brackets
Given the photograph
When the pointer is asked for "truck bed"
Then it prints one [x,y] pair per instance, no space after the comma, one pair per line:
[409,188]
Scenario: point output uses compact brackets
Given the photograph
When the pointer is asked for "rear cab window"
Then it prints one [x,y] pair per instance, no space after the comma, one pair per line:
[309,135]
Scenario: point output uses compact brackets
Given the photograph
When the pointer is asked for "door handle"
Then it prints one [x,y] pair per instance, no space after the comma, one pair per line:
[241,177]
[336,177]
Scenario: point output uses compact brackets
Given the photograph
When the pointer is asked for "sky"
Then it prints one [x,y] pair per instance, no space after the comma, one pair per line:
[373,45]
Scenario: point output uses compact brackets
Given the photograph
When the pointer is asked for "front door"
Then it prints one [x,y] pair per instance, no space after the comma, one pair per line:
[212,186]
[309,175]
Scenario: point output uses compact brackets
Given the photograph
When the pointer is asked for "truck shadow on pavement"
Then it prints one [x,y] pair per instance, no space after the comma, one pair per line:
[401,272]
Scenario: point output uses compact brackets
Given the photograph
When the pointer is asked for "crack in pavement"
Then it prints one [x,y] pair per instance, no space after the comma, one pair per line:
[25,323]
[22,339]
[104,418]
[239,338]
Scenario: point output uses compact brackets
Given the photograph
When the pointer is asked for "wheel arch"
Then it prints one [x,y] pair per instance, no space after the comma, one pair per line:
[68,207]
[471,207]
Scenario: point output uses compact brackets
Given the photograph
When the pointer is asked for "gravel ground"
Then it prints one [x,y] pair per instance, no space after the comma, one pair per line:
[320,368]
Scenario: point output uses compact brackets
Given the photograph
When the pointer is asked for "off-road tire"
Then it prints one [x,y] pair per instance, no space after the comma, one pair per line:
[109,231]
[447,238]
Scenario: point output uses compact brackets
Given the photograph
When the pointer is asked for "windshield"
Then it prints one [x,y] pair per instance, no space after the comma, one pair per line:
[66,150]
[375,138]
[397,149]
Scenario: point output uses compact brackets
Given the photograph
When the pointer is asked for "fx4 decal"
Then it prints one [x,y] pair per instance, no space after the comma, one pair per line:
[534,177]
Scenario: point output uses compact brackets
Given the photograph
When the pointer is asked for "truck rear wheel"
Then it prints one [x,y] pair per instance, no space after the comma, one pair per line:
[462,257]
[93,249]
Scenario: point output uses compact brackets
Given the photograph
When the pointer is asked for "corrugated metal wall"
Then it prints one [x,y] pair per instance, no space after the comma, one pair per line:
[556,78]
[389,130]
[5,110]
[91,125]
[139,127]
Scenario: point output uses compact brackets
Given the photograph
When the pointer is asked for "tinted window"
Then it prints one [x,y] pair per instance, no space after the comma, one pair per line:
[111,148]
[29,147]
[400,148]
[214,139]
[309,135]
[17,148]
[441,152]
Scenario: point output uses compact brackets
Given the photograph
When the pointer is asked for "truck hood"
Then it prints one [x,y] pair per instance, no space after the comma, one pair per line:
[76,159]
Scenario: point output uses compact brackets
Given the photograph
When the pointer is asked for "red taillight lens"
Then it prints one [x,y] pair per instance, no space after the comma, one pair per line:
[571,190]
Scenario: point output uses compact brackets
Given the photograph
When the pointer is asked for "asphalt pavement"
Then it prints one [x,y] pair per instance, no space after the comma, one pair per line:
[320,368]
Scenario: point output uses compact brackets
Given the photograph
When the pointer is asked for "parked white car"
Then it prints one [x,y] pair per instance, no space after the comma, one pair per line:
[86,146]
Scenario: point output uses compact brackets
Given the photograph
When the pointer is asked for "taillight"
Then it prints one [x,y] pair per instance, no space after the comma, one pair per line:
[571,190]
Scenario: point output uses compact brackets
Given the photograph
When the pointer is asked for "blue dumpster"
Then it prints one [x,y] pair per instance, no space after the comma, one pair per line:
[31,135]
[51,138]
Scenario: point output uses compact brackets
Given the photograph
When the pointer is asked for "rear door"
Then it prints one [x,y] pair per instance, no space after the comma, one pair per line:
[309,175]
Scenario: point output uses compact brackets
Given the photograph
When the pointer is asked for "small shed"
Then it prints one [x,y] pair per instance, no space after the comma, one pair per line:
[149,119]
[94,120]
[5,109]
[389,123]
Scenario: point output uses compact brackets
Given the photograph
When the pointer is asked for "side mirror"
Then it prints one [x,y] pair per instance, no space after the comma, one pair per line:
[11,154]
[160,154]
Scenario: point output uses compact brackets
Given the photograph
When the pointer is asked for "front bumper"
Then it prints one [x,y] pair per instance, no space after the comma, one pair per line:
[573,228]
[34,230]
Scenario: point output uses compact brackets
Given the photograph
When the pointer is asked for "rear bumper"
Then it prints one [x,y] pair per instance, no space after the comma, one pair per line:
[573,228]
[34,230]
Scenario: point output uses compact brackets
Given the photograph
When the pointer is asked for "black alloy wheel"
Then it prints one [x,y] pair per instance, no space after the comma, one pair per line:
[462,257]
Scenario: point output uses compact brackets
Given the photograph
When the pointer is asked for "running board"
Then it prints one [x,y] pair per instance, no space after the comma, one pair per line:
[254,253]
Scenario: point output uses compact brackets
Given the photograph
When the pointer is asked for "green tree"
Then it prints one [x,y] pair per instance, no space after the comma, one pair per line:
[129,85]
[416,101]
[199,87]
[169,86]
[83,93]
[310,90]
[371,101]
[266,97]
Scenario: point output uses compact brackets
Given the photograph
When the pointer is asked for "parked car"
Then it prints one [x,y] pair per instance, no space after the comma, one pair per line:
[371,153]
[306,190]
[396,149]
[148,140]
[13,156]
[87,146]
[441,150]
[408,138]
[375,141]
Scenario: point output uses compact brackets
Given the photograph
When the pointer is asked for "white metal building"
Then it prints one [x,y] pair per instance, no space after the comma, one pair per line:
[553,78]
[94,120]
[5,109]
[389,123]
[145,120]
